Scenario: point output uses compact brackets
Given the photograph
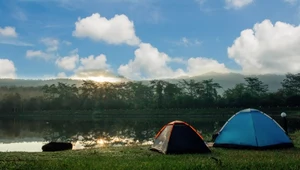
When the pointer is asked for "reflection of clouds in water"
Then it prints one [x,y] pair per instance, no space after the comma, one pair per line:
[22,146]
[77,145]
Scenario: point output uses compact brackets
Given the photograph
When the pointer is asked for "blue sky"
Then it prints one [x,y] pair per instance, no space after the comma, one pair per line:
[147,39]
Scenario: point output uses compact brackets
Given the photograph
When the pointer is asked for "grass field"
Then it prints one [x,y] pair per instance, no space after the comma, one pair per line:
[140,157]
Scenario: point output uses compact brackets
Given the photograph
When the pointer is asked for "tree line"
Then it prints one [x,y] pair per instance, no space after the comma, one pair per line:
[158,94]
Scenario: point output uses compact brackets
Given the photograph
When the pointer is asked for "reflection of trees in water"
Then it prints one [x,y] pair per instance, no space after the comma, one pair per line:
[138,130]
[91,131]
[10,128]
[107,129]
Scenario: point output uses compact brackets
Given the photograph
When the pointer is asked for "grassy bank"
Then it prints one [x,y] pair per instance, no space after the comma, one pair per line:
[141,158]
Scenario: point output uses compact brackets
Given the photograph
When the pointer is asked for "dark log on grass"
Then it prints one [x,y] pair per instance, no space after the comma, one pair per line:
[57,146]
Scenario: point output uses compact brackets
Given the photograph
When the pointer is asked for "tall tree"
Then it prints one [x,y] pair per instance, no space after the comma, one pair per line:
[236,96]
[210,93]
[255,86]
[291,84]
[158,86]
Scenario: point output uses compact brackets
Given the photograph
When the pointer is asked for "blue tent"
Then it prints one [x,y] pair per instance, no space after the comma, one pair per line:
[251,128]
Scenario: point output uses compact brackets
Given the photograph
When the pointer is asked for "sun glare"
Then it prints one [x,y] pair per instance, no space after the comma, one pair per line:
[103,79]
[100,79]
[100,142]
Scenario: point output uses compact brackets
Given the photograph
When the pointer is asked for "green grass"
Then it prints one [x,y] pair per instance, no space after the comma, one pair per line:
[140,157]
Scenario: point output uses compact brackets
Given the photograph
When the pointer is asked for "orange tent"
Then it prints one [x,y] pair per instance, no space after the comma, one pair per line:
[179,137]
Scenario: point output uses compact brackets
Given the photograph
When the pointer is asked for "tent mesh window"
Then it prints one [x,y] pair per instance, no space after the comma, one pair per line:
[161,142]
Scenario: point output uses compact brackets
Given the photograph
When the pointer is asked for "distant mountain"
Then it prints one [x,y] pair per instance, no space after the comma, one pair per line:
[229,80]
[226,80]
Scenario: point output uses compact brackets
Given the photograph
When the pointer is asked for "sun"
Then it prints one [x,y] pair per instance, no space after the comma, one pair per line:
[103,79]
[101,142]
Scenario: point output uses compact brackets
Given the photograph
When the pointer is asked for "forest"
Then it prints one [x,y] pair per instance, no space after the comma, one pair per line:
[158,94]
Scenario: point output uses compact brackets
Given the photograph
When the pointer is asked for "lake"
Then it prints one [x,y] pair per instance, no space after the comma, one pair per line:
[30,135]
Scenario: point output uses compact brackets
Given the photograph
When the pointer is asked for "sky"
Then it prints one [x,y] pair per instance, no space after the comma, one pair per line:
[147,39]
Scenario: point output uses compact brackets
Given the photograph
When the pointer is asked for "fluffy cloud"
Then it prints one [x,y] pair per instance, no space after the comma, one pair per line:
[30,54]
[91,67]
[267,48]
[7,69]
[68,63]
[116,30]
[201,65]
[8,32]
[51,43]
[62,75]
[149,63]
[93,63]
[52,46]
[237,4]
[95,68]
[8,35]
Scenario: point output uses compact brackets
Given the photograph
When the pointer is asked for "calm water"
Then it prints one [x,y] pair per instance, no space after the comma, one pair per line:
[31,135]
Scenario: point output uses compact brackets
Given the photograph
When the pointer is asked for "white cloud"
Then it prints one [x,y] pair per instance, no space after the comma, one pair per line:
[61,75]
[237,4]
[116,30]
[188,42]
[93,63]
[68,63]
[51,43]
[95,68]
[7,69]
[8,32]
[149,63]
[52,46]
[15,42]
[67,42]
[75,51]
[37,54]
[267,48]
[90,65]
[201,65]
[8,35]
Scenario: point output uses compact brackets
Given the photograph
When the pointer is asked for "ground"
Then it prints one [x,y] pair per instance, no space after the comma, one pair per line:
[140,157]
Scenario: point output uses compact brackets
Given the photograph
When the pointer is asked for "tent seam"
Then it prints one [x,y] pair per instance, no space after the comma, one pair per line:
[254,128]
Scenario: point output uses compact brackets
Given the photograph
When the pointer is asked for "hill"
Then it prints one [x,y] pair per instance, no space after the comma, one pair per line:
[227,80]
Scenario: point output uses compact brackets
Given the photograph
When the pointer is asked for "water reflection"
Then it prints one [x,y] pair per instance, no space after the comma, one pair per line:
[36,146]
[30,135]
[21,146]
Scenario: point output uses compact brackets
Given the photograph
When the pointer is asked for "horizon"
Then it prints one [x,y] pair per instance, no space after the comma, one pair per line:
[175,78]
